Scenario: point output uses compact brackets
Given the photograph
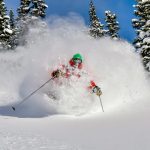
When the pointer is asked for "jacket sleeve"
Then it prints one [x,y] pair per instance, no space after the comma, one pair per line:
[92,85]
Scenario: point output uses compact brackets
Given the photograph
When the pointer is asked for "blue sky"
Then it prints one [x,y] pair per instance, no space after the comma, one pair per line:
[122,8]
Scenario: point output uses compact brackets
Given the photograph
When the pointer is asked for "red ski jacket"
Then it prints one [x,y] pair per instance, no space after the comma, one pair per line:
[67,73]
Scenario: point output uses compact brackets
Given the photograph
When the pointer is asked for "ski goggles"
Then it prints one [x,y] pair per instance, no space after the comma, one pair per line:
[78,61]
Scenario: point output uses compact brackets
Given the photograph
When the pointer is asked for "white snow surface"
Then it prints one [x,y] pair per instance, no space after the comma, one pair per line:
[75,121]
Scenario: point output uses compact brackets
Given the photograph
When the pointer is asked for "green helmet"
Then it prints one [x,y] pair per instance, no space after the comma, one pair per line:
[78,56]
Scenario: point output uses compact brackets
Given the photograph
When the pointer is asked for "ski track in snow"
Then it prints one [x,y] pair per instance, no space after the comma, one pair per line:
[75,121]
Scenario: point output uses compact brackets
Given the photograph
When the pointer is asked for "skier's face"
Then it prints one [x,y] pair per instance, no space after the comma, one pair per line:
[77,61]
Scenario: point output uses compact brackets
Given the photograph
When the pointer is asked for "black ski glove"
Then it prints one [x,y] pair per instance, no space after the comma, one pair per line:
[97,91]
[57,73]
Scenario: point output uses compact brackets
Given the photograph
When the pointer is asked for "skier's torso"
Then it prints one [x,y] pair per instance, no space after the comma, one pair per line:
[72,70]
[75,74]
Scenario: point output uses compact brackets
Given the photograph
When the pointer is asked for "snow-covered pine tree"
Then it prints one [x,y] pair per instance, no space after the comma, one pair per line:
[142,26]
[112,25]
[23,20]
[29,13]
[31,8]
[96,27]
[12,19]
[13,41]
[5,30]
[2,14]
[39,8]
[24,9]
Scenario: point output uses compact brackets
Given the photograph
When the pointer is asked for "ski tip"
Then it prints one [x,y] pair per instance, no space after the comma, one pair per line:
[14,108]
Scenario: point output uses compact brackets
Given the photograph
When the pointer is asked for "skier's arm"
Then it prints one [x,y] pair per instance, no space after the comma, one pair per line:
[95,89]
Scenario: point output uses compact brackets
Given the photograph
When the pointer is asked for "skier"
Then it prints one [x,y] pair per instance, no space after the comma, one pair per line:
[74,68]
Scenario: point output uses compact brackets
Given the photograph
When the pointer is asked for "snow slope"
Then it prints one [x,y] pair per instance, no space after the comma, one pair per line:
[76,121]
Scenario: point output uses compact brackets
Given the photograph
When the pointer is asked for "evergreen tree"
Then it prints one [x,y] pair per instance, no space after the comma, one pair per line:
[112,24]
[142,26]
[5,30]
[13,41]
[24,9]
[2,14]
[12,19]
[29,13]
[31,8]
[23,21]
[96,28]
[39,8]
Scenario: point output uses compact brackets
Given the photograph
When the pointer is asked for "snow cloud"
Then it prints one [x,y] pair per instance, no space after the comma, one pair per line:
[113,65]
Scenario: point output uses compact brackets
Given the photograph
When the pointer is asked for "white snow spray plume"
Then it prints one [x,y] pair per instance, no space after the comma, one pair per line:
[113,66]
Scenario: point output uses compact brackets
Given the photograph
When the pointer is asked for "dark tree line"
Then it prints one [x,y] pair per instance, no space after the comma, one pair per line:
[12,28]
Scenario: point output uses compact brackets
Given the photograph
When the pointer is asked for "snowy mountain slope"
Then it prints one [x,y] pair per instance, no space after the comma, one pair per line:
[107,131]
[76,121]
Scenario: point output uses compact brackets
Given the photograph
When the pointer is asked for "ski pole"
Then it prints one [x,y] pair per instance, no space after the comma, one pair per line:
[101,103]
[27,97]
